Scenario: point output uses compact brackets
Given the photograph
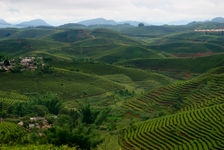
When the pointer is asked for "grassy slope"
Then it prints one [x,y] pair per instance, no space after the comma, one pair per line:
[103,69]
[11,33]
[67,84]
[18,47]
[130,52]
[187,65]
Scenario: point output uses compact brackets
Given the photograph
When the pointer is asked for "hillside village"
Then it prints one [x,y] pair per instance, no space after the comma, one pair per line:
[21,64]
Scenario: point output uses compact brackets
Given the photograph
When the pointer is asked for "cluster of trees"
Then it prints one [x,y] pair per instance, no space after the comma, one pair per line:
[72,127]
[125,92]
[37,106]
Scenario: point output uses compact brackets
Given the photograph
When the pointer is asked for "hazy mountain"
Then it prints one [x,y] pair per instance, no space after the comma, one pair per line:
[33,23]
[98,21]
[180,22]
[72,25]
[3,22]
[215,22]
[218,19]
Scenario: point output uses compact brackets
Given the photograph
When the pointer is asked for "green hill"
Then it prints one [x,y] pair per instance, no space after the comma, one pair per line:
[131,78]
[188,44]
[188,47]
[5,33]
[12,33]
[185,95]
[71,35]
[65,83]
[196,121]
[108,46]
[98,87]
[154,31]
[18,47]
[178,65]
[130,52]
[197,129]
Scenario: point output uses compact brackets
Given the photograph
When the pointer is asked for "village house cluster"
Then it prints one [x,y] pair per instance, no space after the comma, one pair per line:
[25,63]
[37,122]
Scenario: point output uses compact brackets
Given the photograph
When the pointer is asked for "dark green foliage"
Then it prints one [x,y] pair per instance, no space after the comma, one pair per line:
[88,115]
[40,110]
[6,62]
[65,136]
[2,57]
[51,101]
[50,118]
[102,116]
[125,93]
[45,69]
[16,69]
[64,120]
[39,105]
[11,133]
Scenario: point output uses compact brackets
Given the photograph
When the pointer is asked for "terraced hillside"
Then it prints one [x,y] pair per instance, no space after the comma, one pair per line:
[10,133]
[37,147]
[198,129]
[202,91]
[8,99]
[196,120]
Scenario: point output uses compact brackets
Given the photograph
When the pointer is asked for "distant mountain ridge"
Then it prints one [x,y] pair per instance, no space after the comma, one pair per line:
[218,19]
[98,21]
[72,25]
[33,23]
[102,21]
[214,20]
[3,22]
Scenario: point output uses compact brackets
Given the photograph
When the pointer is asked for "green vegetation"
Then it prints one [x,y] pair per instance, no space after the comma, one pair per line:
[197,117]
[11,133]
[196,129]
[67,84]
[37,147]
[71,36]
[185,66]
[103,88]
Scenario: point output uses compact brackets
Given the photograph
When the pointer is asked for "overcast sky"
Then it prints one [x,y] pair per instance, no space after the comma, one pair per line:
[63,11]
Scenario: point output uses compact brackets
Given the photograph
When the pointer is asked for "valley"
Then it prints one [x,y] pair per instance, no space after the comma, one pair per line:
[112,87]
